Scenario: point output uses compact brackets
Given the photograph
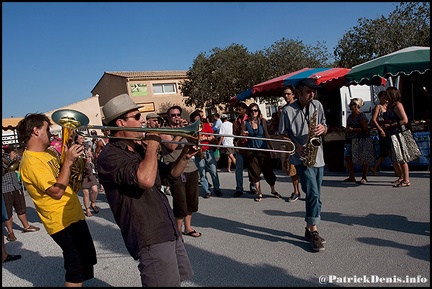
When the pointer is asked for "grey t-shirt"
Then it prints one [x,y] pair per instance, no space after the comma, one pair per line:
[294,124]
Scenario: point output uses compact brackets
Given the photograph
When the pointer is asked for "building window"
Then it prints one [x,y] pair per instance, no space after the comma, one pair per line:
[164,88]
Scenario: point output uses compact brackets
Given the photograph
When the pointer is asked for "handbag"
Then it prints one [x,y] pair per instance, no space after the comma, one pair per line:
[363,151]
[216,154]
[404,148]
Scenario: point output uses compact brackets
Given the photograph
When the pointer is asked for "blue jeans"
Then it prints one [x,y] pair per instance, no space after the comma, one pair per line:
[239,171]
[311,181]
[208,164]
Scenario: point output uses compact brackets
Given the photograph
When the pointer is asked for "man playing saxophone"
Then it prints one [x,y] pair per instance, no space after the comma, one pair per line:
[58,206]
[303,121]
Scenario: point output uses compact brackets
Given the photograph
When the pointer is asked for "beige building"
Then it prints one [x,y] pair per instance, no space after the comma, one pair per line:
[154,90]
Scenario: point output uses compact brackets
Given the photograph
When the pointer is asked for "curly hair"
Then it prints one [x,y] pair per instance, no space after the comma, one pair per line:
[26,125]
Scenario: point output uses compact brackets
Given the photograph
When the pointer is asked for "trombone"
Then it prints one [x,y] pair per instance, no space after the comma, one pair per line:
[190,132]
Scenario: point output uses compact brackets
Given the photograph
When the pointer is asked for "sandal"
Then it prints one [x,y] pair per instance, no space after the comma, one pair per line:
[258,198]
[193,233]
[94,208]
[277,195]
[88,213]
[349,180]
[402,184]
[397,181]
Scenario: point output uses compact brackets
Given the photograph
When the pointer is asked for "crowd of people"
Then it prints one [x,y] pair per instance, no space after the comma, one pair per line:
[134,169]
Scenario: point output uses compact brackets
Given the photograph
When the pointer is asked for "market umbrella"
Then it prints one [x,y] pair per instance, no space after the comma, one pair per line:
[322,76]
[404,61]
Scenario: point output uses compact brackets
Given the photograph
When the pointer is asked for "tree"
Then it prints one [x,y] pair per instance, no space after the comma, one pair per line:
[287,55]
[408,25]
[213,79]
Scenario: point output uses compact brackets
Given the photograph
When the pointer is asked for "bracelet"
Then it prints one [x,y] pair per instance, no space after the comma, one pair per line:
[60,186]
[153,137]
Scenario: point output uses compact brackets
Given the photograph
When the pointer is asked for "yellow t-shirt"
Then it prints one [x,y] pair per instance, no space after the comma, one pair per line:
[39,171]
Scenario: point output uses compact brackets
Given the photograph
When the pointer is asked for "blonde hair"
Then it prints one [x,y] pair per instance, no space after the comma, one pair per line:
[358,101]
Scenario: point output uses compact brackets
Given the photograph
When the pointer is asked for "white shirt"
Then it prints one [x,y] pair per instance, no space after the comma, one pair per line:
[227,128]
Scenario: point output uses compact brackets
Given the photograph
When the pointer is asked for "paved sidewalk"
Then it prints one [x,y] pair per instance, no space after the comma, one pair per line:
[372,231]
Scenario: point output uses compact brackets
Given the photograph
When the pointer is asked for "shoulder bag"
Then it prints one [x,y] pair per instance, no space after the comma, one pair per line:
[404,148]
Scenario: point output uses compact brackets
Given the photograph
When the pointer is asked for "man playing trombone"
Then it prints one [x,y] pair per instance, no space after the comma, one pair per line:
[131,175]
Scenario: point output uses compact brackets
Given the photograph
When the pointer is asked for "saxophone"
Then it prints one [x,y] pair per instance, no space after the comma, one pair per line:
[312,144]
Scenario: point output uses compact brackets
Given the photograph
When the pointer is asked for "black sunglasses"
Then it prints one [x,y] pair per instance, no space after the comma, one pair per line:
[175,114]
[254,110]
[136,116]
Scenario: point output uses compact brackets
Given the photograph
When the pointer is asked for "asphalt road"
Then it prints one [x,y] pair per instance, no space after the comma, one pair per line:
[376,235]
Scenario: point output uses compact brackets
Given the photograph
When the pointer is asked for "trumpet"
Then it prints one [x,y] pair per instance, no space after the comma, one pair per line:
[190,132]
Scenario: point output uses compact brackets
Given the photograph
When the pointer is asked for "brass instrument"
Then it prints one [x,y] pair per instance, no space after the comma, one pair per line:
[313,143]
[12,165]
[190,132]
[70,120]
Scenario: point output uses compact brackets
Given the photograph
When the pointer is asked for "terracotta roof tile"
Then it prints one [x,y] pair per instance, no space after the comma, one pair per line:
[166,74]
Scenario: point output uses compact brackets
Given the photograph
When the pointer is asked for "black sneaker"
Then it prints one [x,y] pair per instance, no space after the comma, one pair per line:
[207,195]
[238,194]
[317,244]
[294,197]
[12,258]
[218,193]
[309,236]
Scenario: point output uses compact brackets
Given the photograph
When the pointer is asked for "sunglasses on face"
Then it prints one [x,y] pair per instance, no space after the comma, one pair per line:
[155,120]
[254,110]
[136,116]
[175,114]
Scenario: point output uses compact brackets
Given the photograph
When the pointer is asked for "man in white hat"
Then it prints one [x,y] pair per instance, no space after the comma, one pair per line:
[307,110]
[132,176]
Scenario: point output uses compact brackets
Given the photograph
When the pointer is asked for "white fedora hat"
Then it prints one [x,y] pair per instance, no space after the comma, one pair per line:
[117,106]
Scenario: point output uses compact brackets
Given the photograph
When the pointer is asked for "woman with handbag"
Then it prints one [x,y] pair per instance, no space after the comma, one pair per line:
[378,122]
[357,141]
[394,118]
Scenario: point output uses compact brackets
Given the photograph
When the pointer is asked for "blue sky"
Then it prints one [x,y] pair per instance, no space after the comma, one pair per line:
[54,54]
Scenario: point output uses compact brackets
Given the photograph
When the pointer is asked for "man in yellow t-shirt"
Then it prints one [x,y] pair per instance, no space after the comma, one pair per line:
[58,206]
